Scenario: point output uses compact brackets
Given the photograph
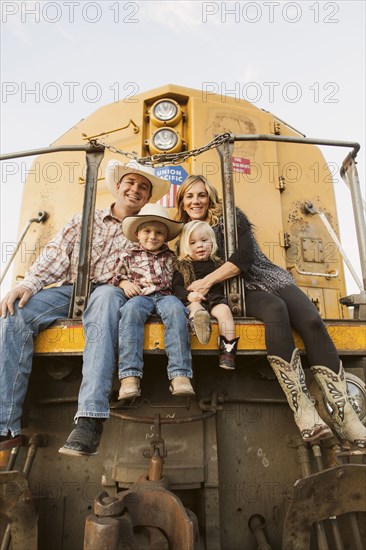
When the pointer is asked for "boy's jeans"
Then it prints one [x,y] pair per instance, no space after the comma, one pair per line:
[17,332]
[176,338]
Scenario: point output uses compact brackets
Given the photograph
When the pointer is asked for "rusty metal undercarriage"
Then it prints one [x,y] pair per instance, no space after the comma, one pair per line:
[149,515]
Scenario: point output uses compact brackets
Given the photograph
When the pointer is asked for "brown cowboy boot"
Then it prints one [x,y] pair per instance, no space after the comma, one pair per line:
[181,385]
[130,388]
[334,388]
[292,380]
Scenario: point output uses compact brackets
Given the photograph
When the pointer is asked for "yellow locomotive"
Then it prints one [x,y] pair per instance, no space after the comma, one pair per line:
[228,469]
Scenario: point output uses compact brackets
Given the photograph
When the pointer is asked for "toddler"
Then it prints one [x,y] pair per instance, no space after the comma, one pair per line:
[197,249]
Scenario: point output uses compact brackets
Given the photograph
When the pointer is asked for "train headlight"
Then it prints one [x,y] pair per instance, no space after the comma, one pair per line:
[165,111]
[165,139]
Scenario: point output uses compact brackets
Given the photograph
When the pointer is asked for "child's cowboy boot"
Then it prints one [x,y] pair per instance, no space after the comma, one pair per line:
[181,385]
[227,352]
[130,388]
[292,380]
[200,324]
[345,419]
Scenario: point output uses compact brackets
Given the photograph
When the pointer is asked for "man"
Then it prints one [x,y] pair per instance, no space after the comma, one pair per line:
[27,309]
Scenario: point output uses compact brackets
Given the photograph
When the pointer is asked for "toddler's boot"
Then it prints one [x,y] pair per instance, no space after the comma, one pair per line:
[227,352]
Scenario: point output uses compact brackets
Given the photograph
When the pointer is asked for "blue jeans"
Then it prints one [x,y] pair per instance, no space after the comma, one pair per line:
[17,333]
[176,338]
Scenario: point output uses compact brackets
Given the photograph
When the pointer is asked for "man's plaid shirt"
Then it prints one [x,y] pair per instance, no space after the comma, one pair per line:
[151,271]
[57,263]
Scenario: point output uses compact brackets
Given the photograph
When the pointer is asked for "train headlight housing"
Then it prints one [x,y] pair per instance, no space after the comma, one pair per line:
[165,111]
[166,139]
[166,120]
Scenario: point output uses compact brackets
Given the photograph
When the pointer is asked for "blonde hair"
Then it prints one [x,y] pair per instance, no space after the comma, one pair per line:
[188,229]
[214,211]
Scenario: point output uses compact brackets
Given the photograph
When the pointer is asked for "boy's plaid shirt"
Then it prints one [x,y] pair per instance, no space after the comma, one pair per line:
[153,272]
[58,260]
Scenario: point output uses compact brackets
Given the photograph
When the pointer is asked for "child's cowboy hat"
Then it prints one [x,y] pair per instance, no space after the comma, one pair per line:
[115,170]
[151,213]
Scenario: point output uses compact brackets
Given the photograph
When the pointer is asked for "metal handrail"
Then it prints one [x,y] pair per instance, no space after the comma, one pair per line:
[347,164]
[310,209]
[347,167]
[305,141]
[94,154]
[350,175]
[42,217]
[45,151]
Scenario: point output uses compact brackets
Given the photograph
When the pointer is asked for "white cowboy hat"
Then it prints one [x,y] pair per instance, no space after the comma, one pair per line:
[151,213]
[115,170]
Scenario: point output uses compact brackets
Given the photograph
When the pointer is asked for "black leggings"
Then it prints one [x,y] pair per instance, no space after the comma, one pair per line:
[292,308]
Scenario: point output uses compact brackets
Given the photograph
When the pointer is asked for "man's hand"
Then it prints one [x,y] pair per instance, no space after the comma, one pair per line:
[195,297]
[199,286]
[130,289]
[18,293]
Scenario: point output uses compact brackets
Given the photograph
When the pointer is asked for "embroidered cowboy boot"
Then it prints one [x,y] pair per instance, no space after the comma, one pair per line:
[227,352]
[292,380]
[334,388]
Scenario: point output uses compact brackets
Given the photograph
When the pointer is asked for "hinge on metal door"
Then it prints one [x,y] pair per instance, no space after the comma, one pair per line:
[285,239]
[281,185]
[277,129]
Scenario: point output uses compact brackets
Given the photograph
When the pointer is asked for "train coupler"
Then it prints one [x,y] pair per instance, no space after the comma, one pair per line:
[147,504]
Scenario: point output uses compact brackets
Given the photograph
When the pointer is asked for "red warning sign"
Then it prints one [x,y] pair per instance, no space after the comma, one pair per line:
[241,165]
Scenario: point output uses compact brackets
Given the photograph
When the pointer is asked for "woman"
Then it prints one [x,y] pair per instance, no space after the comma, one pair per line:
[272,297]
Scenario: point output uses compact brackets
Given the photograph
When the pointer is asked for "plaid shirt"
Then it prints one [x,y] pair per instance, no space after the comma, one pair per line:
[57,263]
[152,271]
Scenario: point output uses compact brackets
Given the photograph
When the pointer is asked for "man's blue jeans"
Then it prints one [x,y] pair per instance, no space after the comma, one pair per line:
[176,338]
[17,332]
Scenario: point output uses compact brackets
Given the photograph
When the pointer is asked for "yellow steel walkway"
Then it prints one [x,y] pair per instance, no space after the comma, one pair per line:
[66,337]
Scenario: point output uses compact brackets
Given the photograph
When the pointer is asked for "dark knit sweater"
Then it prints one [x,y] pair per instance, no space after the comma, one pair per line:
[258,272]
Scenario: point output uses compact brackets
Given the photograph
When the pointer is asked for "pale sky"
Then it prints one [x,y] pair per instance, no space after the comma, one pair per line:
[60,61]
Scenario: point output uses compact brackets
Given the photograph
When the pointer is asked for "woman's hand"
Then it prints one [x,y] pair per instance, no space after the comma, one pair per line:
[200,286]
[225,271]
[195,297]
[130,289]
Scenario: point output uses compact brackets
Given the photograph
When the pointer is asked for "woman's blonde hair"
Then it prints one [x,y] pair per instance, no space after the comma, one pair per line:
[184,247]
[214,206]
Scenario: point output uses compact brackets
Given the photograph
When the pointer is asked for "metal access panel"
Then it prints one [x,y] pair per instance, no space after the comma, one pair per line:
[312,250]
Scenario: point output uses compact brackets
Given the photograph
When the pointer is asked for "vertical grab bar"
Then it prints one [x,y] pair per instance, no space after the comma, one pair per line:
[42,217]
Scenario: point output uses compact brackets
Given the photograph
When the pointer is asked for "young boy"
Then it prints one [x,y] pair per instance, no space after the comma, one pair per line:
[144,272]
